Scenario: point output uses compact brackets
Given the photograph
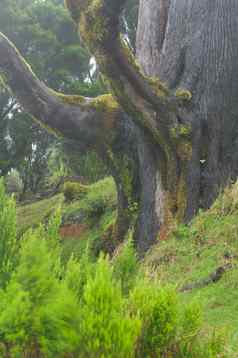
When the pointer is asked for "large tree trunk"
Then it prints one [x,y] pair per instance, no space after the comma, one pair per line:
[192,45]
[170,132]
[199,52]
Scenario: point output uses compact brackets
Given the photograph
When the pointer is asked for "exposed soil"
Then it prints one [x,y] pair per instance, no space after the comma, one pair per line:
[72,230]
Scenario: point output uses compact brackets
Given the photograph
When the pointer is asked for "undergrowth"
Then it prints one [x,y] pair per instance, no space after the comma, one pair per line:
[196,251]
[87,307]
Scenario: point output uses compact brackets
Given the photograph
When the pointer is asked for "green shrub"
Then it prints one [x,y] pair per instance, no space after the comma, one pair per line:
[88,308]
[38,313]
[74,191]
[182,232]
[157,308]
[8,243]
[106,328]
[126,265]
[78,272]
[102,195]
[169,329]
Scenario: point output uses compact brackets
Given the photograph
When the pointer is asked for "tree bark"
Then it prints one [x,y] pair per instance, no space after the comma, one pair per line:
[169,132]
[199,53]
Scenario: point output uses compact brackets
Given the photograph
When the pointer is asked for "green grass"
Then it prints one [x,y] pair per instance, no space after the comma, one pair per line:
[100,197]
[32,214]
[191,254]
[96,210]
[195,251]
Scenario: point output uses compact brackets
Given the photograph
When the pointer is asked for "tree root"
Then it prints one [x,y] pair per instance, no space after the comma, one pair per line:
[212,278]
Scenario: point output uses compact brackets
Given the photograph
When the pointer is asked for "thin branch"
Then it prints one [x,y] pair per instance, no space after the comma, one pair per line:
[8,110]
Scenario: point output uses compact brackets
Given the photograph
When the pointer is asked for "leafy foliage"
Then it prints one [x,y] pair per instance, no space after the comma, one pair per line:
[74,191]
[88,307]
[126,265]
[107,330]
[8,242]
[59,59]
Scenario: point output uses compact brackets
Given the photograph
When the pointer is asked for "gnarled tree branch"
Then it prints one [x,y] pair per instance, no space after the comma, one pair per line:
[148,100]
[138,101]
[74,117]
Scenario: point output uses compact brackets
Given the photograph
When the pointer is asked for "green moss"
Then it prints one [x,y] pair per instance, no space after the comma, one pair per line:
[69,99]
[20,57]
[126,177]
[185,130]
[49,129]
[123,166]
[181,199]
[93,23]
[96,30]
[180,131]
[183,94]
[105,104]
[3,82]
[159,87]
[73,191]
[184,150]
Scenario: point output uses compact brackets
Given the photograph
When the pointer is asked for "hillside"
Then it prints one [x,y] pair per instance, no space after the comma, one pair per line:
[86,220]
[200,260]
[197,255]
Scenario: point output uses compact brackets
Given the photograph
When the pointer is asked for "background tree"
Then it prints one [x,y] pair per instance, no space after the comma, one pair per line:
[154,136]
[56,55]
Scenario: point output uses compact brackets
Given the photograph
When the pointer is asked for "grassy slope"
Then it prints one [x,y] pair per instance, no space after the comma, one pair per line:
[191,254]
[195,252]
[96,210]
[30,215]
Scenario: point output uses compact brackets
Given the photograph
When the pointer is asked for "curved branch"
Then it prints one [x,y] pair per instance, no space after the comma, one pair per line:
[74,117]
[98,22]
[146,100]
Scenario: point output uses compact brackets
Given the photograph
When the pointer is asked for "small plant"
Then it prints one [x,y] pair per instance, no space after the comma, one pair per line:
[88,308]
[106,328]
[126,265]
[38,313]
[157,308]
[8,242]
[78,273]
[182,232]
[169,329]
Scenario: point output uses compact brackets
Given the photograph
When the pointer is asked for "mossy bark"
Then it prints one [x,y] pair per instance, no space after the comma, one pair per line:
[169,130]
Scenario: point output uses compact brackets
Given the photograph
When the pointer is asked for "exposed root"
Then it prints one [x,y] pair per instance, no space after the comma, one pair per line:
[212,278]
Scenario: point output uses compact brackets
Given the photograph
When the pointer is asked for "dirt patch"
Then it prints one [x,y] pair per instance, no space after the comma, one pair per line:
[72,230]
